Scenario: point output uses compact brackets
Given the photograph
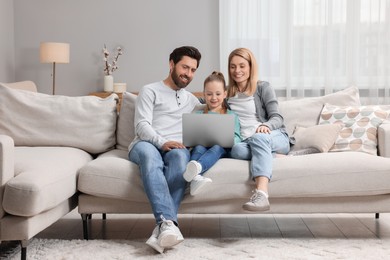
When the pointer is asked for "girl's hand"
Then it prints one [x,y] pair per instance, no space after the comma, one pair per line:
[263,129]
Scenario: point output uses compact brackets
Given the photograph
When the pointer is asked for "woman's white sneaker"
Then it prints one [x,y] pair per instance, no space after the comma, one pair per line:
[258,202]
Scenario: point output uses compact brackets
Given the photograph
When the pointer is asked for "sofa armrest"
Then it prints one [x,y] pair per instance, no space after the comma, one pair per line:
[7,161]
[384,140]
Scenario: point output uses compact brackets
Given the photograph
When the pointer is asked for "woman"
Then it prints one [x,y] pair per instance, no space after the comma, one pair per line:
[203,158]
[262,129]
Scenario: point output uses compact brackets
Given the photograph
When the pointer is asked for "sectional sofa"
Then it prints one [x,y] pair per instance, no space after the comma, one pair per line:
[59,152]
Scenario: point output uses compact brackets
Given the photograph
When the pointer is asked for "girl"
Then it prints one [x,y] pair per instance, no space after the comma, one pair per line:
[202,158]
[262,128]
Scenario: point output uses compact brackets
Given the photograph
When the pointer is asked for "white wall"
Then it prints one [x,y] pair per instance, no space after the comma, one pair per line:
[148,30]
[7,61]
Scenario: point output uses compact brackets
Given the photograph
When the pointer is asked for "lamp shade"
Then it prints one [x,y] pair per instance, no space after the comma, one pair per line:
[54,52]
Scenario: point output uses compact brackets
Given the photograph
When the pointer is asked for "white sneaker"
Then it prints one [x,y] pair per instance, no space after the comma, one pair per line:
[152,241]
[170,234]
[198,183]
[193,169]
[258,202]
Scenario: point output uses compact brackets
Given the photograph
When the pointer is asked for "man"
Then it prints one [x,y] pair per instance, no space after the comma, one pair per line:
[157,147]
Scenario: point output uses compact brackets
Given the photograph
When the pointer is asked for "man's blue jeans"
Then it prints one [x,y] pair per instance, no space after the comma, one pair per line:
[260,149]
[162,177]
[207,157]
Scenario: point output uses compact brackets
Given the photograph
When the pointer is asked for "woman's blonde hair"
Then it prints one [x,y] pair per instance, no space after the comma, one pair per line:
[218,77]
[253,77]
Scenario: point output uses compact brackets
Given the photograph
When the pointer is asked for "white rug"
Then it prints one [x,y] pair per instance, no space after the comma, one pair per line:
[193,248]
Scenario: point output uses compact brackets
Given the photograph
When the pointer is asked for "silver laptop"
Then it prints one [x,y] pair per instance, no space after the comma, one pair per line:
[208,130]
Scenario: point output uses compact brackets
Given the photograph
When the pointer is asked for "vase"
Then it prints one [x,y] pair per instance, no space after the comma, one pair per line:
[108,83]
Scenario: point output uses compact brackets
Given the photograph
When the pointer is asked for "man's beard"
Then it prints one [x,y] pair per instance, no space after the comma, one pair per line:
[178,82]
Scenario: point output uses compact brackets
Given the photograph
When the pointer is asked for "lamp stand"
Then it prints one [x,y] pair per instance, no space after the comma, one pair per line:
[54,78]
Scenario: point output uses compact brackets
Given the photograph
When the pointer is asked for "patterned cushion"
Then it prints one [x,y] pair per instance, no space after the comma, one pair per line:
[360,126]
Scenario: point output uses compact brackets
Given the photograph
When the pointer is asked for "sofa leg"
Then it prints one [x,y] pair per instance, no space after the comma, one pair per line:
[23,253]
[85,218]
[376,215]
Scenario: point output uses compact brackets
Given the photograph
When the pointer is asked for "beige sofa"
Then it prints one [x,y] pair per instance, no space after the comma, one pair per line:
[307,181]
[52,146]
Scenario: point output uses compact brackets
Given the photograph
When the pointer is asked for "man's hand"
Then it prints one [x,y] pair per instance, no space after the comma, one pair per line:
[172,145]
[263,129]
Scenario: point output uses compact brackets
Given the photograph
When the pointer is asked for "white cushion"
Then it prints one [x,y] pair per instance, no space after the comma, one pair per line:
[306,111]
[36,119]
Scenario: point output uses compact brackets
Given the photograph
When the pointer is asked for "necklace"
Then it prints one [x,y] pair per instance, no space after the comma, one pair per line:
[242,91]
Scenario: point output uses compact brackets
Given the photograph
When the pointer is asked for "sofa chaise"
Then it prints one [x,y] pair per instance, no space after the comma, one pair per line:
[44,141]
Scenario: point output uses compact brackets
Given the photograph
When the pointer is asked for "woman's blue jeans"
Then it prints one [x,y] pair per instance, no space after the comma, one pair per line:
[162,177]
[260,149]
[207,157]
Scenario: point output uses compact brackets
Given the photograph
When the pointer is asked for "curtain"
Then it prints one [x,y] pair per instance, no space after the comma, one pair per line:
[312,47]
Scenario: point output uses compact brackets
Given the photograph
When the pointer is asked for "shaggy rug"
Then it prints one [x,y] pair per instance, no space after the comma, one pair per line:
[193,248]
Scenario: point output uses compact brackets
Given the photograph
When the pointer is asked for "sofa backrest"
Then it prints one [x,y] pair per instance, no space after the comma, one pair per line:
[306,112]
[36,119]
[299,112]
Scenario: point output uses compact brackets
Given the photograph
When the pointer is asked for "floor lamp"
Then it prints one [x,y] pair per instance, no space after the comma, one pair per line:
[54,52]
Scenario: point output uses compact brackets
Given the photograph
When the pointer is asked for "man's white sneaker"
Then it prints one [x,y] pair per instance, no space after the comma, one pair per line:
[152,241]
[193,169]
[258,202]
[198,183]
[170,234]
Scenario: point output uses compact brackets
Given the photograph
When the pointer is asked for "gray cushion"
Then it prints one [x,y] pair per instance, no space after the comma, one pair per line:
[125,129]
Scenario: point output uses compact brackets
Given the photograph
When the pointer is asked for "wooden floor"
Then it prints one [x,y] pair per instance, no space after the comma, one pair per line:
[119,226]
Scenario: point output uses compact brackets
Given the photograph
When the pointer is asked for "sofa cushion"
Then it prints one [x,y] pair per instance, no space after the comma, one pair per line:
[112,175]
[360,126]
[330,175]
[44,177]
[36,119]
[125,129]
[320,137]
[306,111]
[314,175]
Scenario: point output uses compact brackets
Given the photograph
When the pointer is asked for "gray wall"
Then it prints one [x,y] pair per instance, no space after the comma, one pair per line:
[148,30]
[7,61]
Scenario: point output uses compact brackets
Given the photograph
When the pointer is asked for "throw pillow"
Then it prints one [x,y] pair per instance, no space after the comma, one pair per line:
[320,137]
[360,126]
[37,119]
[125,128]
[306,111]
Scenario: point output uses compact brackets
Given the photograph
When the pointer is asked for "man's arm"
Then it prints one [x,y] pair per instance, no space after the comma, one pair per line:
[144,117]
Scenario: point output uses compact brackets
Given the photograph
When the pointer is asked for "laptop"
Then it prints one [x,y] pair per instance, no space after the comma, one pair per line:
[208,130]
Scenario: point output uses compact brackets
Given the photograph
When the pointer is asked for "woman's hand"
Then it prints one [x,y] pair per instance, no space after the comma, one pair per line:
[263,129]
[172,145]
